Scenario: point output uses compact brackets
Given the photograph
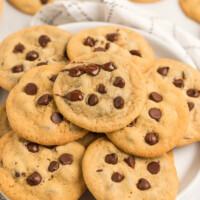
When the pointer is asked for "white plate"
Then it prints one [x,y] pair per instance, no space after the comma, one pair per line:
[186,158]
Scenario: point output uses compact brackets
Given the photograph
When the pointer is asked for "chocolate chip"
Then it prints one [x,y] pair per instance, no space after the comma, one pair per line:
[75,71]
[193,93]
[31,89]
[99,170]
[93,100]
[155,113]
[44,40]
[34,179]
[153,167]
[53,78]
[111,158]
[102,89]
[23,174]
[132,123]
[154,96]
[178,83]
[99,49]
[107,46]
[66,159]
[117,177]
[163,71]
[135,53]
[53,166]
[44,100]
[151,138]
[190,105]
[119,102]
[32,55]
[75,95]
[143,184]
[17,69]
[130,161]
[19,48]
[108,67]
[89,41]
[44,1]
[17,174]
[42,63]
[91,69]
[56,118]
[33,147]
[112,37]
[119,82]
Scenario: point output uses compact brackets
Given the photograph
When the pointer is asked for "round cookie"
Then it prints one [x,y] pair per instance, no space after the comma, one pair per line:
[32,111]
[100,92]
[161,125]
[111,174]
[112,39]
[29,6]
[28,48]
[4,123]
[31,171]
[187,80]
[191,8]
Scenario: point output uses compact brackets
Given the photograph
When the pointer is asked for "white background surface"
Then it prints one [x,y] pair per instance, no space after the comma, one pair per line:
[13,20]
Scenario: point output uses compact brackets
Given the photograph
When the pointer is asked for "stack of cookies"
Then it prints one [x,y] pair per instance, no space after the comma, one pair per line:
[92,110]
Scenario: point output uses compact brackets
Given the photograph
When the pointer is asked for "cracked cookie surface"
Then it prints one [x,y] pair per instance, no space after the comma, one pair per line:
[111,174]
[35,172]
[100,92]
[32,111]
[29,48]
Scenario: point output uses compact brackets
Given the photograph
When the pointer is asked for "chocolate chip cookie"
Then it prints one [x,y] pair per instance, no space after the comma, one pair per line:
[32,111]
[32,171]
[100,92]
[29,6]
[112,39]
[4,124]
[111,174]
[191,8]
[187,80]
[29,48]
[161,125]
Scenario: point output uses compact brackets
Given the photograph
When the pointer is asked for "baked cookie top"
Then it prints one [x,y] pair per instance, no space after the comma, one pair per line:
[29,48]
[161,125]
[29,6]
[111,174]
[31,171]
[32,111]
[100,92]
[112,39]
[191,8]
[4,123]
[187,80]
